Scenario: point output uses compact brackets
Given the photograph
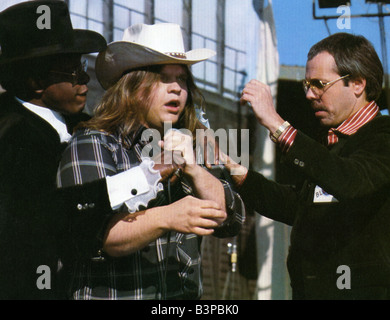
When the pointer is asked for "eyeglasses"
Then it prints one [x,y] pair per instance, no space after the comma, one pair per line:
[78,76]
[317,86]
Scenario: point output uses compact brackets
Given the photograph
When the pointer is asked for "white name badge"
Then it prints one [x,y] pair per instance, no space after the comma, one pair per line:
[321,196]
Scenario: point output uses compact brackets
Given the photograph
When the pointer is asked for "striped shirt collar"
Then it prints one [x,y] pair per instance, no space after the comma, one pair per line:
[354,123]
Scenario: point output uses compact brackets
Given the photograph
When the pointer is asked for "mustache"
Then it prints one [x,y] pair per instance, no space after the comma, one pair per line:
[316,106]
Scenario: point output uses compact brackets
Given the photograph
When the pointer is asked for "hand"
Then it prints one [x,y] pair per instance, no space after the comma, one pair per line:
[259,96]
[192,215]
[170,165]
[237,172]
[175,140]
[128,232]
[209,148]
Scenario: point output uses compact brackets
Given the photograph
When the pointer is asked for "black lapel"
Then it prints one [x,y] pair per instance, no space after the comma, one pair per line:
[10,107]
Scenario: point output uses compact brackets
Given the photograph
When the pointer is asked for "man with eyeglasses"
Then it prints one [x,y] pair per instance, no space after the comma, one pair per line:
[340,215]
[46,90]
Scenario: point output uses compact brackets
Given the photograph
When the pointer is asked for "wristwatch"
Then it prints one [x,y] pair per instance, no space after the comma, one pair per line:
[275,136]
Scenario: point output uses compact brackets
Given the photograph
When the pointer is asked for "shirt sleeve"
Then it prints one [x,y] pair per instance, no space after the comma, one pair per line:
[287,139]
[89,158]
[235,208]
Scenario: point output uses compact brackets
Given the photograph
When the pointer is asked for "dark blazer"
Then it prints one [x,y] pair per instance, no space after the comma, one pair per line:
[36,218]
[352,232]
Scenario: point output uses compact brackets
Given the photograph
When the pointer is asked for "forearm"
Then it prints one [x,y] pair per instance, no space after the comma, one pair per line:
[229,200]
[130,232]
[235,214]
[269,198]
[205,185]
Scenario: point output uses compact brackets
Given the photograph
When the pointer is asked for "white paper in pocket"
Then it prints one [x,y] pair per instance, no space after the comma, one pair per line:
[321,196]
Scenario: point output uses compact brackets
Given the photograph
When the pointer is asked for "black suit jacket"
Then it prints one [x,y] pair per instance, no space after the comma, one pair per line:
[353,232]
[38,222]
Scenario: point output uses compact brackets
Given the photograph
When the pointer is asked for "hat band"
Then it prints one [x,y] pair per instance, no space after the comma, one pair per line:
[179,55]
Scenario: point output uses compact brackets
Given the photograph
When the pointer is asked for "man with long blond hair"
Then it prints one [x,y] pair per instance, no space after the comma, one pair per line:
[153,253]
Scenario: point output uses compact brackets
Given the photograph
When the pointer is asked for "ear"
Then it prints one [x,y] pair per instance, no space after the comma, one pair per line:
[358,86]
[36,86]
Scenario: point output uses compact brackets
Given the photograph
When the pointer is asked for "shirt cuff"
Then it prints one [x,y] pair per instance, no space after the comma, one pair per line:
[125,186]
[287,139]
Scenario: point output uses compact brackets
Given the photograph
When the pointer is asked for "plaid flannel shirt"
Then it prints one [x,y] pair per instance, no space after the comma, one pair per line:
[170,266]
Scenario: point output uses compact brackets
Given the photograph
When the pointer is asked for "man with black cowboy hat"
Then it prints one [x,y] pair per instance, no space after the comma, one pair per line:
[45,83]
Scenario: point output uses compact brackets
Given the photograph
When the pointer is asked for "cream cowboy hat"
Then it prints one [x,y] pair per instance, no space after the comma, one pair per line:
[145,45]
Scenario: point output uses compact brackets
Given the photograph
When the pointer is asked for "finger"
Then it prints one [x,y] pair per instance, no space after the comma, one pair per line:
[210,151]
[207,223]
[246,99]
[178,157]
[175,138]
[205,153]
[223,158]
[170,141]
[216,151]
[208,204]
[202,231]
[213,214]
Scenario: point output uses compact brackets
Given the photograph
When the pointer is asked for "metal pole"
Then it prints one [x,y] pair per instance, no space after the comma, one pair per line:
[108,20]
[149,11]
[187,23]
[220,44]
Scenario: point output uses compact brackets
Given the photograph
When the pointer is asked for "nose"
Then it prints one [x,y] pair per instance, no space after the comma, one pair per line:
[310,95]
[174,87]
[83,78]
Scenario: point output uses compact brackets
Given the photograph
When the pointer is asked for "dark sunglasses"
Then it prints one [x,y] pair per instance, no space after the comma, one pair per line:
[78,76]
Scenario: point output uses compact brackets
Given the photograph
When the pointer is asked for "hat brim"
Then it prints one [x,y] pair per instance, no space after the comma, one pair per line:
[123,56]
[85,41]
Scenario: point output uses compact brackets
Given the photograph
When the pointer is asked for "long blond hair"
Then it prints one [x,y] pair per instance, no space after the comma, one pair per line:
[120,109]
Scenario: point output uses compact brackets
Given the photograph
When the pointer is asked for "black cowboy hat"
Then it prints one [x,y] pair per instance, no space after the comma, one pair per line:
[23,37]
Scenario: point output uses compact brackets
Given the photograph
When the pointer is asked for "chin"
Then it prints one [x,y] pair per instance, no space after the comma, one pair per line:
[328,124]
[324,124]
[174,120]
[76,110]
